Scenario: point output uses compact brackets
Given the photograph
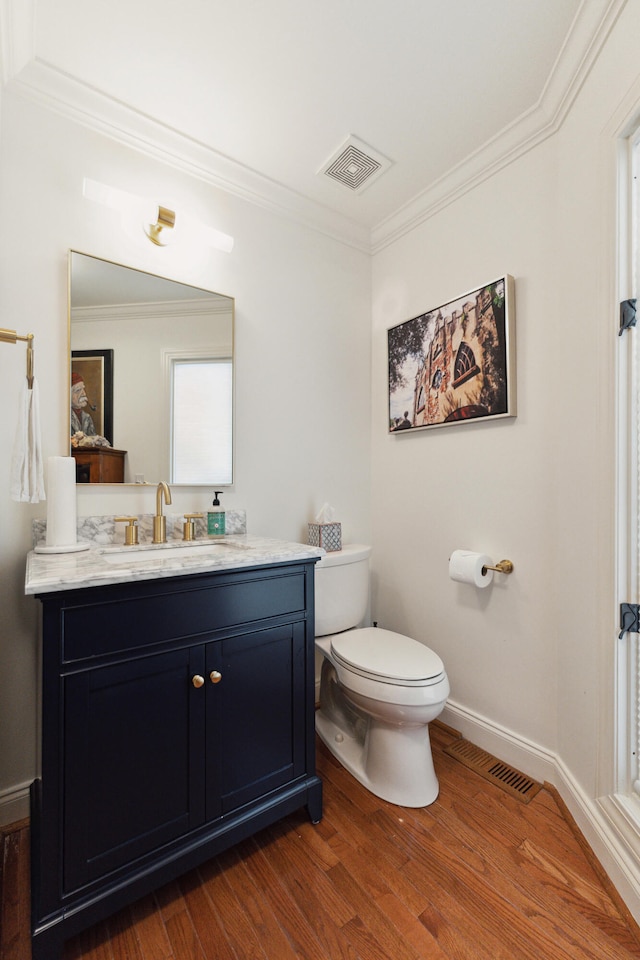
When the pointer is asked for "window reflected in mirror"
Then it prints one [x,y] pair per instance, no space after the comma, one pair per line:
[201,447]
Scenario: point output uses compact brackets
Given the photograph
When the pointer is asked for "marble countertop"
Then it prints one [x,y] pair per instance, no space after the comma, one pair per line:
[101,564]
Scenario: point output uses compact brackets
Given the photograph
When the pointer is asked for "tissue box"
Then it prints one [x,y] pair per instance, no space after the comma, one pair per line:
[326,535]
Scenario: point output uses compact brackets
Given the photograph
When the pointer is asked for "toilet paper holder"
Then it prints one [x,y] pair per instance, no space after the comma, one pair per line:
[503,566]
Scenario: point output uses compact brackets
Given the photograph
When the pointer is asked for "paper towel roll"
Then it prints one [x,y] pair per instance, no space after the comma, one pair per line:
[61,502]
[466,567]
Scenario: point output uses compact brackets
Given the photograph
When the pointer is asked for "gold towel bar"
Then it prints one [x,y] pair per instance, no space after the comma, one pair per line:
[10,336]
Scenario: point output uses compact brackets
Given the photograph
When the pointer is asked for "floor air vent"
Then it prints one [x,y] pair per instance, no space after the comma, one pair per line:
[501,774]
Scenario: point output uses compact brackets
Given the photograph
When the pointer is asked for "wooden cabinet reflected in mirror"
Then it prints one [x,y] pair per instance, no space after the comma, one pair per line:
[151,377]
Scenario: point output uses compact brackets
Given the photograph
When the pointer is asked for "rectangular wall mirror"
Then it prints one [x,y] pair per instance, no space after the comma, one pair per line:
[151,375]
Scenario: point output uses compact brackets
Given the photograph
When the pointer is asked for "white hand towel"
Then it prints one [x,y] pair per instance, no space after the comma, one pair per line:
[27,479]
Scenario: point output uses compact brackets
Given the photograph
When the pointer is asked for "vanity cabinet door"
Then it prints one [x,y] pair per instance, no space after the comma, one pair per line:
[133,768]
[255,716]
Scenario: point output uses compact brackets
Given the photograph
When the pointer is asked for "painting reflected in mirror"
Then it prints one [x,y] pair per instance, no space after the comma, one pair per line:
[151,382]
[92,395]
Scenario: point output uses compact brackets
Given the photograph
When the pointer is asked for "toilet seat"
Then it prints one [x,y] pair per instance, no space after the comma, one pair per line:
[387,657]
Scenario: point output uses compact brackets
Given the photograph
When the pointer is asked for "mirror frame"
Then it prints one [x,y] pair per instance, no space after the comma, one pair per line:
[148,273]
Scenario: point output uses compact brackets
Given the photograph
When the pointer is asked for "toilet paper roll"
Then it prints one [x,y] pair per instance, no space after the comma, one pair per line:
[61,502]
[466,567]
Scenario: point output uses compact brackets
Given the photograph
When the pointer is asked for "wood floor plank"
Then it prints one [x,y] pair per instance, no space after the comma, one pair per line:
[460,919]
[183,937]
[392,828]
[237,926]
[410,928]
[14,906]
[478,875]
[458,934]
[284,905]
[579,890]
[583,900]
[212,936]
[360,938]
[561,897]
[251,899]
[441,870]
[377,859]
[370,917]
[151,929]
[314,843]
[123,937]
[301,870]
[549,872]
[348,821]
[507,821]
[539,911]
[313,903]
[91,944]
[169,899]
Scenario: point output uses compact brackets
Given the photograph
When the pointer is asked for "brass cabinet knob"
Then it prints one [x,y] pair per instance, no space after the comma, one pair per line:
[197,681]
[215,677]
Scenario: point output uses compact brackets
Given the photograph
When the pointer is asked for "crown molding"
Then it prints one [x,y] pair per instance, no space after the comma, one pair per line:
[583,43]
[61,93]
[17,36]
[158,310]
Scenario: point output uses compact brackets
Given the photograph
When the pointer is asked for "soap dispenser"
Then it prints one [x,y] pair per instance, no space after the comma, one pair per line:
[215,517]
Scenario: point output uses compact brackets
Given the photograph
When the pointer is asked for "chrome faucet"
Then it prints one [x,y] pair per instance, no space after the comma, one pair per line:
[159,521]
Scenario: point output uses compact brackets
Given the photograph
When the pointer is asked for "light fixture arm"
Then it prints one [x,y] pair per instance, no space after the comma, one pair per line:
[166,221]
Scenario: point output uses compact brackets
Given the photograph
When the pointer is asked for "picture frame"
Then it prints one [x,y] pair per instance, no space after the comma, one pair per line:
[455,363]
[96,369]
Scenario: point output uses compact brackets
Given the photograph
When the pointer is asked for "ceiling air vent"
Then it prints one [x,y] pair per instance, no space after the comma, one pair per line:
[355,165]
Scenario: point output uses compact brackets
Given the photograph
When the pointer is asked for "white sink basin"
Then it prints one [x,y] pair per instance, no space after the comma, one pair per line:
[120,555]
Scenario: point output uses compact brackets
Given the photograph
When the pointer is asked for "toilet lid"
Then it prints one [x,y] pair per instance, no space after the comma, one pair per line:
[387,656]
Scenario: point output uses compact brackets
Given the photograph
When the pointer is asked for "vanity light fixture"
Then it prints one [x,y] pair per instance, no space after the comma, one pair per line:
[158,222]
[157,232]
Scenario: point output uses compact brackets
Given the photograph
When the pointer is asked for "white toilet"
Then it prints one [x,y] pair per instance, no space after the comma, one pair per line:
[378,690]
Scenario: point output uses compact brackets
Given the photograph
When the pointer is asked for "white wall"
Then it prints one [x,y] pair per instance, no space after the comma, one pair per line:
[478,486]
[530,659]
[303,363]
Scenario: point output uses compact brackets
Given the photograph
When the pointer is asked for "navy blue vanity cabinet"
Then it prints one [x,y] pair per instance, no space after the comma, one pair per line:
[177,719]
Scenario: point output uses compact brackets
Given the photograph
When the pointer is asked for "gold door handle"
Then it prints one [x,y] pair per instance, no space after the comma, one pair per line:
[197,681]
[215,677]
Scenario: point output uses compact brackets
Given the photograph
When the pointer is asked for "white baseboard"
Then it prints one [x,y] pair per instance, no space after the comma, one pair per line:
[605,823]
[14,804]
[525,755]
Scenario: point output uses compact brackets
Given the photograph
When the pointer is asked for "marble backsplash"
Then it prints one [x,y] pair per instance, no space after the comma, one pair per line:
[105,530]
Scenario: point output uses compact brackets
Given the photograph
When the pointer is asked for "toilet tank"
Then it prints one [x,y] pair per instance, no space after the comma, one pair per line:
[342,589]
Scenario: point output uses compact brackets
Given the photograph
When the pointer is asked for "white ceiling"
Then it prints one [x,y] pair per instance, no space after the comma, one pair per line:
[262,92]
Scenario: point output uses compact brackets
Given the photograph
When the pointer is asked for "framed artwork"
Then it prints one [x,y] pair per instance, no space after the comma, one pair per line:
[456,362]
[92,369]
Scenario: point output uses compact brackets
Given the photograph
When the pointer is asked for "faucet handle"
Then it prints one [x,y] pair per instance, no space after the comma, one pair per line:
[130,532]
[189,527]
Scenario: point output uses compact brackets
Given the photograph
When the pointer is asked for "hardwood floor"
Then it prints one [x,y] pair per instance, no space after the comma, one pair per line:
[476,876]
